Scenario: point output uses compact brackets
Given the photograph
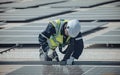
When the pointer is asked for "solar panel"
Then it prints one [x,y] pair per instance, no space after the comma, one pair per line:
[37,26]
[19,32]
[104,40]
[112,33]
[2,10]
[86,24]
[2,23]
[67,70]
[117,29]
[111,37]
[19,40]
[28,14]
[81,3]
[104,71]
[83,29]
[29,4]
[6,1]
[28,34]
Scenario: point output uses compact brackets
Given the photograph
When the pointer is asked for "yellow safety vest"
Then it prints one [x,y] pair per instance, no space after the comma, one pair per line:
[57,39]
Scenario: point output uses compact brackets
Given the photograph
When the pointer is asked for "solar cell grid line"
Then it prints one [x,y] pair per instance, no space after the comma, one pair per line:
[114,15]
[67,70]
[104,8]
[30,4]
[110,37]
[6,1]
[89,15]
[62,63]
[82,24]
[105,18]
[36,11]
[2,23]
[19,40]
[34,25]
[117,29]
[84,27]
[38,30]
[2,10]
[10,31]
[81,4]
[104,71]
[35,31]
[104,40]
[26,34]
[25,16]
[40,26]
[19,33]
[9,36]
[112,33]
[28,28]
[96,13]
[53,70]
[105,14]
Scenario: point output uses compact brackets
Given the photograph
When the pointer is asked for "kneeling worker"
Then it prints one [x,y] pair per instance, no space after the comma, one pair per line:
[60,33]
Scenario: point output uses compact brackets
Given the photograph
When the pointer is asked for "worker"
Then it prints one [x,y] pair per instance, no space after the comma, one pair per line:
[58,34]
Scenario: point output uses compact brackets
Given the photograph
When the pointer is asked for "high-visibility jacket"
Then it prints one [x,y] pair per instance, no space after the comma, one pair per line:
[57,39]
[53,36]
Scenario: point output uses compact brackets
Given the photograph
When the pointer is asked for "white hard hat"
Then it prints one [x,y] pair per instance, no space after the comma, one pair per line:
[73,28]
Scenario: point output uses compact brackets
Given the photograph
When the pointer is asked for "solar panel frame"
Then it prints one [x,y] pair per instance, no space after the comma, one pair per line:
[99,14]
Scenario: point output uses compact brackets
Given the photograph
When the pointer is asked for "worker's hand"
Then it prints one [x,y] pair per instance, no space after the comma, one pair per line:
[70,61]
[43,55]
[51,53]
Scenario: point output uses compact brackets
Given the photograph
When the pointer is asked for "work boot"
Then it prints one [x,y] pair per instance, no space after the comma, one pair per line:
[70,61]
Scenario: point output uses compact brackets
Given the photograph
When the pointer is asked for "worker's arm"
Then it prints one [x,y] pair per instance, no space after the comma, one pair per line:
[50,30]
[78,46]
[74,48]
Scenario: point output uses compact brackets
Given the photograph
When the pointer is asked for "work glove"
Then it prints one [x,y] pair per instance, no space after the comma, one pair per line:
[43,55]
[53,55]
[50,53]
[70,60]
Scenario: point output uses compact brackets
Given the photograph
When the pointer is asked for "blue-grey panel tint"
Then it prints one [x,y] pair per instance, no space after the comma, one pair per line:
[28,4]
[115,39]
[67,70]
[80,3]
